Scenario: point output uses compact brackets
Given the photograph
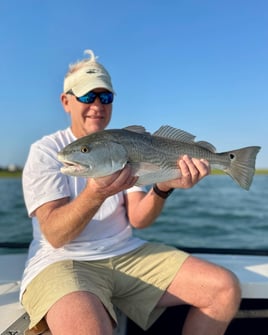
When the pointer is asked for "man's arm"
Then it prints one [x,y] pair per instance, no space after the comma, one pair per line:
[143,208]
[63,220]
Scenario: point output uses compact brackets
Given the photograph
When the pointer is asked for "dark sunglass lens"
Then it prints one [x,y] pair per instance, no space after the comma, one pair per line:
[106,97]
[87,98]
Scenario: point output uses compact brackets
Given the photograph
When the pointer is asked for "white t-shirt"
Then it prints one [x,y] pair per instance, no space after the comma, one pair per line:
[109,232]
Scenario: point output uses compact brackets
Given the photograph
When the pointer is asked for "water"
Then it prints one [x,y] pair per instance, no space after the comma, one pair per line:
[216,213]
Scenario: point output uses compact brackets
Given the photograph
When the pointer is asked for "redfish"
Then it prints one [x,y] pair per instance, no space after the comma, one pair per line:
[153,157]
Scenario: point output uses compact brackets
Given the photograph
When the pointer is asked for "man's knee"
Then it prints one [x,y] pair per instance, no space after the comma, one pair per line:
[229,290]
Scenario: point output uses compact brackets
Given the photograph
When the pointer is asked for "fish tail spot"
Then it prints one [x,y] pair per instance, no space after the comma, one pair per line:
[242,165]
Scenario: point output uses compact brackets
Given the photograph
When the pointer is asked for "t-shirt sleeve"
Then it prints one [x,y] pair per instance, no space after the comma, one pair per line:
[137,189]
[42,180]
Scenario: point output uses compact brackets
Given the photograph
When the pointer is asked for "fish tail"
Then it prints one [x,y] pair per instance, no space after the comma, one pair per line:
[242,165]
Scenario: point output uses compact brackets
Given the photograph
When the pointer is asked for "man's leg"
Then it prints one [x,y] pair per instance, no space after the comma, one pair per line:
[79,313]
[213,292]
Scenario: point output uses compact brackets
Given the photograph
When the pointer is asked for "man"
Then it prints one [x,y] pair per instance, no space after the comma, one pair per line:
[84,260]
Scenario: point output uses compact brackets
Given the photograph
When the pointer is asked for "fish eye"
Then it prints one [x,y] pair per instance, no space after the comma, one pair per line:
[84,149]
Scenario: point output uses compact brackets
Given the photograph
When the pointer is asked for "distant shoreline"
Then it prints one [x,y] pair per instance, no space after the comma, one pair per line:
[10,174]
[17,174]
[257,172]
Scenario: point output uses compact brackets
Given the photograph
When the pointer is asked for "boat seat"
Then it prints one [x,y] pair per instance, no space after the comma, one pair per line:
[18,327]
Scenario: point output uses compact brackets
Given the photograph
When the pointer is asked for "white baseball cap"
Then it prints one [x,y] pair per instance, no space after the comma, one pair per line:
[91,75]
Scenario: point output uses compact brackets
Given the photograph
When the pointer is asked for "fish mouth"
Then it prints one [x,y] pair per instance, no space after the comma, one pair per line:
[73,168]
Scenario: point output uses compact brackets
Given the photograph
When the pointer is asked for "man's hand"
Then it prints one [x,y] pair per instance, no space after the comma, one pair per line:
[192,171]
[114,183]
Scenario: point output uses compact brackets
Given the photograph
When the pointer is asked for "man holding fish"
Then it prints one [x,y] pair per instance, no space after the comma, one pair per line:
[84,260]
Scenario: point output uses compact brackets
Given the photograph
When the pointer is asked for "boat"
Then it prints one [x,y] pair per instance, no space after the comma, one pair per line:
[251,267]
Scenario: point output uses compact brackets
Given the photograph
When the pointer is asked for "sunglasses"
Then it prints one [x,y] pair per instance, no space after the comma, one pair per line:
[105,97]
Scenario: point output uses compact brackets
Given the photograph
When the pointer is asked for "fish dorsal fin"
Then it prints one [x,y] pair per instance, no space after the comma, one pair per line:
[136,129]
[183,136]
[174,134]
[206,145]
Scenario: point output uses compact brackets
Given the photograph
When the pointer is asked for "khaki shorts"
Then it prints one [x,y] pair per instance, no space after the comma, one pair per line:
[133,282]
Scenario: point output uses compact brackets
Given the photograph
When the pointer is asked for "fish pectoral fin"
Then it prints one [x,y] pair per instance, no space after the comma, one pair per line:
[117,153]
[143,168]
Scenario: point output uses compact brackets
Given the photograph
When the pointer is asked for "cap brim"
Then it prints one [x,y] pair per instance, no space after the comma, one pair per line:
[85,86]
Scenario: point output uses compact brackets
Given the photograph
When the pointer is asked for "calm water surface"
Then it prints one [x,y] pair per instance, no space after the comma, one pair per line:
[216,213]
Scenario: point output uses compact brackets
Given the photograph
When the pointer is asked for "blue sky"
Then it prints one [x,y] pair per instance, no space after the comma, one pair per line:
[201,66]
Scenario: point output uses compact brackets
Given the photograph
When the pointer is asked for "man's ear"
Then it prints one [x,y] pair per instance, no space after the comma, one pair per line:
[65,102]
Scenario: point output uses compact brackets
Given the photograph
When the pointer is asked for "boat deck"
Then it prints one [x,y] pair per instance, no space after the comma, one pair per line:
[252,271]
